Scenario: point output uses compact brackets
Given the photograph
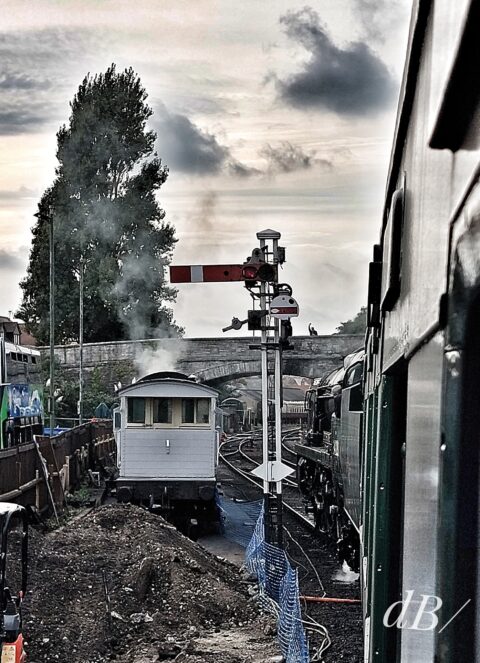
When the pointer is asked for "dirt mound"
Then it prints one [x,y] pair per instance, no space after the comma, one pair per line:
[122,584]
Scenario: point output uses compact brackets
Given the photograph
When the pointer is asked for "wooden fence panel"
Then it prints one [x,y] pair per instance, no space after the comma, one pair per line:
[68,457]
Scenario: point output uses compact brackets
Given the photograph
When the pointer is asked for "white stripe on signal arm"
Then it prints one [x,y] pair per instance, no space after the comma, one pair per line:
[196,272]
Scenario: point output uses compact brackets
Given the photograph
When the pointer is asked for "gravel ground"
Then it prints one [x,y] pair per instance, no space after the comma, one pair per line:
[121,584]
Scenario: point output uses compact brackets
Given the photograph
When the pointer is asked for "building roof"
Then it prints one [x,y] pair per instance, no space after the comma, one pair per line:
[9,325]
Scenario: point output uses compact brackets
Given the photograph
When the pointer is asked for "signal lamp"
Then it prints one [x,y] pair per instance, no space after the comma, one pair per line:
[249,273]
[259,271]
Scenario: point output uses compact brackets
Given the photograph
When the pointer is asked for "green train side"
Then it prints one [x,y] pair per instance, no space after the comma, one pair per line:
[419,444]
[420,486]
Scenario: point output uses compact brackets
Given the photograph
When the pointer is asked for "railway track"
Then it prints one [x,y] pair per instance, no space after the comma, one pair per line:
[235,446]
[335,608]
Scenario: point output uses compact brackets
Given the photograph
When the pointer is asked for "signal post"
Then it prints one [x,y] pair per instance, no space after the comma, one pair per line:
[260,275]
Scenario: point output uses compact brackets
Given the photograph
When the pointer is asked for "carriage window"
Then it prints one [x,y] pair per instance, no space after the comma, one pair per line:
[195,410]
[354,375]
[162,410]
[188,410]
[136,410]
[203,411]
[355,403]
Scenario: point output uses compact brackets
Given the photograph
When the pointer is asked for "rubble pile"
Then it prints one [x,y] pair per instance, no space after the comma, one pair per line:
[123,585]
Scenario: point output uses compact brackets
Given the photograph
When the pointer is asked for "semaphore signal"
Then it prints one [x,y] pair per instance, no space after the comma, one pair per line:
[260,276]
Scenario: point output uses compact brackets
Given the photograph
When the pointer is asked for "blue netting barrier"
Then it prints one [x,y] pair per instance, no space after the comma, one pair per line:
[238,519]
[278,584]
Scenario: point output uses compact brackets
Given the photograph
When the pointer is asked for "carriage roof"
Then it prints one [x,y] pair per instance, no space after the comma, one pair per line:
[168,387]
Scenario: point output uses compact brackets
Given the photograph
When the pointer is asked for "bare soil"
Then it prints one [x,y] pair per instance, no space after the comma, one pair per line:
[123,585]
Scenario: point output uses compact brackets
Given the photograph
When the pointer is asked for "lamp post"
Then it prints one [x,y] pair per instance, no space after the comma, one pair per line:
[47,215]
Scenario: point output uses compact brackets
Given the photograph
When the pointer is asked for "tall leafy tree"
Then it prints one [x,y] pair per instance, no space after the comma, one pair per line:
[106,217]
[356,325]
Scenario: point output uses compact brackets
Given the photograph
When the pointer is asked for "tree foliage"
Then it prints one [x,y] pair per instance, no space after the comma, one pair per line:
[105,213]
[97,387]
[356,325]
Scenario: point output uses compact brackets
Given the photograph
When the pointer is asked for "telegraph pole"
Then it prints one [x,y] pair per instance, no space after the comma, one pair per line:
[278,427]
[80,339]
[52,323]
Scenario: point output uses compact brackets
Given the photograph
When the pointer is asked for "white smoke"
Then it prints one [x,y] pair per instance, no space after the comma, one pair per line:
[162,356]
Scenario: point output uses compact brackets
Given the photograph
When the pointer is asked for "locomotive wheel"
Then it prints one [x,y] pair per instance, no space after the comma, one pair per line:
[325,519]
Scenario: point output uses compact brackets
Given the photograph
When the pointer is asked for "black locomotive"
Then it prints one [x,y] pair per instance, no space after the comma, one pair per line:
[328,463]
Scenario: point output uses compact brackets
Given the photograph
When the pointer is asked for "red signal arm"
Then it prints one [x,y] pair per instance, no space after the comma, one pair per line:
[205,273]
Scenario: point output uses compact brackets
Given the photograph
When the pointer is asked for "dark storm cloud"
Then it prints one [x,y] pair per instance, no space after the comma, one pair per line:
[185,147]
[16,119]
[238,169]
[33,82]
[12,81]
[349,81]
[286,158]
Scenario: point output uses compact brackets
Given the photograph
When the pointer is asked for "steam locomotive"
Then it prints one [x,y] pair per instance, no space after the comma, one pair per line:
[328,463]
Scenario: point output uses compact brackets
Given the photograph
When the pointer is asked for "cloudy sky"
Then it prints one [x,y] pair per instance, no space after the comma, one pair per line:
[269,114]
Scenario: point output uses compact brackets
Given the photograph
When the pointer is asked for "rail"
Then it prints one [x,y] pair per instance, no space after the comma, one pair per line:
[240,440]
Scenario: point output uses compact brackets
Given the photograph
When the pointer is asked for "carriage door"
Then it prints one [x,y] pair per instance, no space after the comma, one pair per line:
[458,573]
[387,494]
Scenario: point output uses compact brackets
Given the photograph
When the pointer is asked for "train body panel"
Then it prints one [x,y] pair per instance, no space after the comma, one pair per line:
[433,180]
[349,451]
[168,453]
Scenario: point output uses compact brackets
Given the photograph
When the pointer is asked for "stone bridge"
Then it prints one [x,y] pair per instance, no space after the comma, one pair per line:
[213,360]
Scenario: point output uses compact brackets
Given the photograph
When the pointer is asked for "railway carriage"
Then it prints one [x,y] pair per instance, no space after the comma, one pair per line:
[419,452]
[167,436]
[21,393]
[420,487]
